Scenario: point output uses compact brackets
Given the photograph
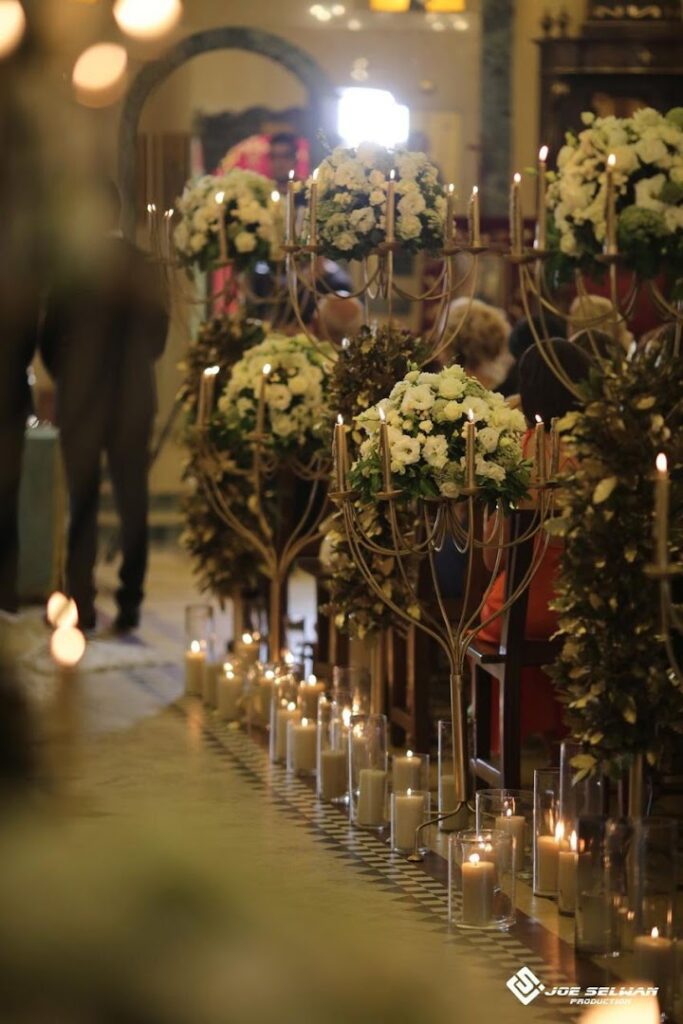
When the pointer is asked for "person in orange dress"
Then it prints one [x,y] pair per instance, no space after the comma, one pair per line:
[542,394]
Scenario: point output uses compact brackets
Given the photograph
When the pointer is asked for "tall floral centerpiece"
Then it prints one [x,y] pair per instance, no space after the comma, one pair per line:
[644,183]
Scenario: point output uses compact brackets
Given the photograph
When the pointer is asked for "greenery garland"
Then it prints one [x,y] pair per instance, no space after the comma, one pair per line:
[613,673]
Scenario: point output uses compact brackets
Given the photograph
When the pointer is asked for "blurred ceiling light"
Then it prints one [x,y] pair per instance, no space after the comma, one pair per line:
[320,12]
[12,26]
[354,25]
[371,115]
[460,24]
[98,74]
[67,646]
[147,19]
[390,6]
[445,6]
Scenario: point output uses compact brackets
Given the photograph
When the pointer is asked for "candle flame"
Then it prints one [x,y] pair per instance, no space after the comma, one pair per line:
[538,418]
[211,371]
[451,189]
[304,721]
[346,717]
[508,812]
[247,638]
[475,190]
[291,175]
[611,160]
[267,369]
[312,680]
[220,196]
[195,647]
[288,658]
[382,414]
[269,674]
[559,831]
[543,154]
[654,934]
[169,213]
[275,196]
[340,420]
[392,174]
[291,706]
[573,842]
[517,177]
[345,343]
[661,463]
[315,174]
[151,208]
[409,792]
[470,415]
[474,858]
[409,753]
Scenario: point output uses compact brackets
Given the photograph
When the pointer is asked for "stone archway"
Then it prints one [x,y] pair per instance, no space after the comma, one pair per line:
[265,44]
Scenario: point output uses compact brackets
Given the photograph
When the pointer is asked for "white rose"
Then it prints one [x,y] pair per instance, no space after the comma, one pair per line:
[377,179]
[417,398]
[298,385]
[197,241]
[405,451]
[408,226]
[651,150]
[435,452]
[453,411]
[362,220]
[345,240]
[450,387]
[245,241]
[411,204]
[491,470]
[278,396]
[377,197]
[487,439]
[282,425]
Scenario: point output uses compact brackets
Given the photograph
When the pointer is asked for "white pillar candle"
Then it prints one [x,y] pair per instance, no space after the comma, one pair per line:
[310,692]
[194,669]
[449,233]
[547,857]
[610,207]
[654,959]
[261,699]
[372,796]
[626,920]
[541,240]
[313,210]
[449,804]
[405,772]
[391,207]
[477,890]
[302,738]
[290,223]
[210,677]
[516,216]
[408,815]
[567,864]
[334,774]
[473,219]
[289,713]
[229,691]
[661,520]
[514,825]
[470,441]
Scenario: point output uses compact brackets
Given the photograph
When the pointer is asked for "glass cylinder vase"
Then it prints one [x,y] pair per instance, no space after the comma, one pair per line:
[199,644]
[356,681]
[548,831]
[582,798]
[302,742]
[409,771]
[510,810]
[409,810]
[448,802]
[333,751]
[481,879]
[283,709]
[229,694]
[368,776]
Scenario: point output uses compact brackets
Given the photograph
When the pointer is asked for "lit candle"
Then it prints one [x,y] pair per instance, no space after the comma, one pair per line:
[610,208]
[391,206]
[473,219]
[229,693]
[654,957]
[261,409]
[275,200]
[313,211]
[661,525]
[547,860]
[541,240]
[566,877]
[470,439]
[211,675]
[247,647]
[554,448]
[302,745]
[287,712]
[291,210]
[478,877]
[539,451]
[222,237]
[405,772]
[516,216]
[372,797]
[309,694]
[334,773]
[408,814]
[194,669]
[340,453]
[448,803]
[450,215]
[168,218]
[385,450]
[514,825]
[151,225]
[207,387]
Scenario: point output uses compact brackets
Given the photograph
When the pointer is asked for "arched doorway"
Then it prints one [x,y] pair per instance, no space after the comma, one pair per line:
[265,44]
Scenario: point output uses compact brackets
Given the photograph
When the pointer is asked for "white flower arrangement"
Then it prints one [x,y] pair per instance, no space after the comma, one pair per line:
[426,414]
[244,200]
[352,201]
[648,179]
[294,392]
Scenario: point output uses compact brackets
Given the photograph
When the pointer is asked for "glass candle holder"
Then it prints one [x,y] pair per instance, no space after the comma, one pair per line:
[448,802]
[213,670]
[510,810]
[481,879]
[260,681]
[229,693]
[596,921]
[199,640]
[310,691]
[356,682]
[409,810]
[409,771]
[247,646]
[283,709]
[302,743]
[578,799]
[368,775]
[548,831]
[333,751]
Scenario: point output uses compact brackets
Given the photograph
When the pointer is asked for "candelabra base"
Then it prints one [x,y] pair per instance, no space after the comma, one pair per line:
[388,495]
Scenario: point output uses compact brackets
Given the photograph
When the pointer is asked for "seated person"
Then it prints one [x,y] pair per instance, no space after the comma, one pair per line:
[544,395]
[596,313]
[338,317]
[522,336]
[479,335]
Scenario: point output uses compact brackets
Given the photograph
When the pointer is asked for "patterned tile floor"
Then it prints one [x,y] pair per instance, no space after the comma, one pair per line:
[145,741]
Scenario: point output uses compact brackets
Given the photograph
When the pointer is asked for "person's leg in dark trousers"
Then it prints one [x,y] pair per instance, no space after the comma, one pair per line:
[128,457]
[11,452]
[82,458]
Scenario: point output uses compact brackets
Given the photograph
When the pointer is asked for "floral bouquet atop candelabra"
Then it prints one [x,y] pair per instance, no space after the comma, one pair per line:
[230,217]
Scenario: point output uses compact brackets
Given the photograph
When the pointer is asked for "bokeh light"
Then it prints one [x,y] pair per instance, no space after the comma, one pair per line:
[61,610]
[67,646]
[98,74]
[12,26]
[147,19]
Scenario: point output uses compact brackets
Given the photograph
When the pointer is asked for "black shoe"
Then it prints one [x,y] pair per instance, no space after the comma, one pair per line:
[127,620]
